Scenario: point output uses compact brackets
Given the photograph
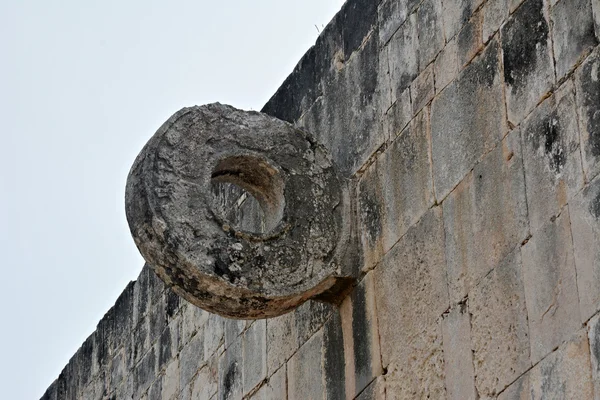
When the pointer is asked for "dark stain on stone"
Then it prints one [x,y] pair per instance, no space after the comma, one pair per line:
[229,380]
[552,384]
[595,347]
[333,341]
[590,94]
[595,211]
[165,353]
[370,212]
[172,300]
[547,133]
[484,70]
[523,36]
[359,16]
[361,338]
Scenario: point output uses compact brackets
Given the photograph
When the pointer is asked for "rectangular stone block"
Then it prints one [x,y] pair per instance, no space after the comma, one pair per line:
[305,371]
[564,374]
[551,156]
[500,338]
[456,14]
[467,119]
[170,381]
[334,359]
[230,372]
[281,341]
[446,65]
[213,334]
[391,15]
[550,287]
[587,78]
[418,372]
[594,339]
[528,64]
[398,115]
[411,286]
[470,39]
[360,337]
[430,31]
[518,390]
[275,388]
[485,217]
[145,373]
[458,358]
[375,391]
[191,358]
[585,225]
[422,89]
[573,33]
[495,13]
[403,56]
[255,355]
[206,383]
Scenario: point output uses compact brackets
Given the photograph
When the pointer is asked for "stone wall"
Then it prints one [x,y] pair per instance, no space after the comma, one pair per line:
[471,132]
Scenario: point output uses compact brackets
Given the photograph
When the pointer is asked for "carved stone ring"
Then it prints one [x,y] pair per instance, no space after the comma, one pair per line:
[183,231]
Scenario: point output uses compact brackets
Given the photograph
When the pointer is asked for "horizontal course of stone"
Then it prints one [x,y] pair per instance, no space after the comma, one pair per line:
[471,131]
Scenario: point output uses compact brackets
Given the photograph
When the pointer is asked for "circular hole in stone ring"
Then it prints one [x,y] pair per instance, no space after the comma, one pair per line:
[248,194]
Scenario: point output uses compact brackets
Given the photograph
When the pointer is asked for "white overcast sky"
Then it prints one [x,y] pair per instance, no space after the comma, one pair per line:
[83,85]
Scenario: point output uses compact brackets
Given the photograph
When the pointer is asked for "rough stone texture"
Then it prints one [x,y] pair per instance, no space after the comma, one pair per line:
[588,97]
[550,287]
[364,91]
[196,250]
[499,327]
[585,225]
[460,376]
[466,121]
[594,339]
[573,33]
[528,65]
[485,217]
[413,272]
[551,156]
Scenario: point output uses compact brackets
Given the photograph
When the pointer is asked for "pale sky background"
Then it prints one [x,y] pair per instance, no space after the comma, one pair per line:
[83,85]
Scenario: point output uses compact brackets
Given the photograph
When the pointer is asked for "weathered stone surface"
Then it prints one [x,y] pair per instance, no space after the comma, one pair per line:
[275,388]
[206,382]
[418,373]
[499,327]
[564,374]
[255,355]
[403,56]
[596,12]
[485,217]
[551,156]
[230,372]
[494,14]
[375,391]
[422,89]
[458,358]
[305,371]
[528,65]
[446,65]
[550,287]
[192,246]
[470,39]
[360,337]
[572,33]
[467,119]
[396,190]
[391,15]
[585,225]
[333,361]
[456,14]
[518,390]
[170,381]
[429,31]
[587,80]
[594,339]
[281,341]
[191,359]
[411,287]
[398,115]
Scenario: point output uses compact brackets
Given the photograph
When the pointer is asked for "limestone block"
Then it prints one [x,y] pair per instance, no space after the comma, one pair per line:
[192,319]
[254,346]
[528,65]
[191,358]
[587,78]
[594,339]
[419,371]
[585,225]
[360,337]
[467,119]
[371,214]
[391,15]
[183,231]
[518,390]
[430,31]
[334,359]
[170,381]
[281,341]
[375,391]
[550,287]
[422,89]
[564,374]
[403,56]
[494,14]
[514,4]
[117,370]
[233,328]
[398,115]
[485,217]
[572,32]
[499,327]
[456,14]
[230,372]
[168,344]
[470,39]
[213,334]
[275,388]
[305,371]
[206,382]
[411,287]
[145,372]
[458,358]
[309,318]
[551,156]
[446,65]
